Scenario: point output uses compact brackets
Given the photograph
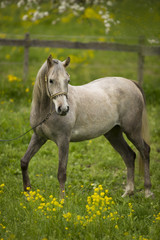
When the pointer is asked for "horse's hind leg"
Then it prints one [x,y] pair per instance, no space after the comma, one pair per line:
[116,139]
[144,149]
[34,145]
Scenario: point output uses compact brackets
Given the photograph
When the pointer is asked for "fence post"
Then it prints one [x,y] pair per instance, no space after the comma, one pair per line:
[140,60]
[26,57]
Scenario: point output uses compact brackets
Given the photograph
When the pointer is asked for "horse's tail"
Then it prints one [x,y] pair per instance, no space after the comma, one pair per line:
[145,133]
[146,137]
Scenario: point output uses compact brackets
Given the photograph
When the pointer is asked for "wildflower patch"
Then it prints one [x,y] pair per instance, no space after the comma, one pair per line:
[12,78]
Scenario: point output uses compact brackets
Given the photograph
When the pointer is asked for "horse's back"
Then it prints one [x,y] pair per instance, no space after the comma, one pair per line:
[114,90]
[112,83]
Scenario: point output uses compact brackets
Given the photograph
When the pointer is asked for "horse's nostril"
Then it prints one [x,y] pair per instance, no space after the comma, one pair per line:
[67,108]
[59,109]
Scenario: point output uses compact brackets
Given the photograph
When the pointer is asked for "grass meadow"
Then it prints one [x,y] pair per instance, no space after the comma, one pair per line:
[93,207]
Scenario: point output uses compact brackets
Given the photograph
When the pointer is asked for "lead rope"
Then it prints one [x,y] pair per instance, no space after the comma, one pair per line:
[13,139]
[46,118]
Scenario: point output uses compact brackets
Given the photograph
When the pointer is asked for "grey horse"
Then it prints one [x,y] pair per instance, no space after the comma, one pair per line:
[107,106]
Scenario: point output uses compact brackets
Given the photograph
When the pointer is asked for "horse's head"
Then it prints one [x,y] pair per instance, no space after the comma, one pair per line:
[57,84]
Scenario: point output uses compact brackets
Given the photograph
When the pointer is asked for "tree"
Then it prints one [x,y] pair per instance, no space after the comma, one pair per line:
[135,18]
[93,9]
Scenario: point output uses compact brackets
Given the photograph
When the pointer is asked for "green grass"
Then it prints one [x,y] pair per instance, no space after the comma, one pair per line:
[91,163]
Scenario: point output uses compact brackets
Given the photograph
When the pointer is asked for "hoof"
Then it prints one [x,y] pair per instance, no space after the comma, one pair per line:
[62,194]
[127,194]
[149,194]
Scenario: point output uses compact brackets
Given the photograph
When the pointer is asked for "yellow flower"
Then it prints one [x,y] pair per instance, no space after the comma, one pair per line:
[96,189]
[101,39]
[27,90]
[102,194]
[67,18]
[111,214]
[2,35]
[67,216]
[90,13]
[12,78]
[62,201]
[40,207]
[78,217]
[7,56]
[42,204]
[2,226]
[47,50]
[98,213]
[100,187]
[157,217]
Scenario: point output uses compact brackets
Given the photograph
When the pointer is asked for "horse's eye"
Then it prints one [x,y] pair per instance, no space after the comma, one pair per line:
[51,81]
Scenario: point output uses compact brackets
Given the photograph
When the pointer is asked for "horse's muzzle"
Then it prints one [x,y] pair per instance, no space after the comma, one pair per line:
[62,110]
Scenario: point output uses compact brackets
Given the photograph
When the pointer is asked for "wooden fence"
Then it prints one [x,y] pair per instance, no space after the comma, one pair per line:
[140,49]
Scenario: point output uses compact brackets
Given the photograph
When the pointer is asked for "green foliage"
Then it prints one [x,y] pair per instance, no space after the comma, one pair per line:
[138,18]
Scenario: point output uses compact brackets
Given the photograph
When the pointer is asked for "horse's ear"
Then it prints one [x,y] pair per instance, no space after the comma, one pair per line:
[66,62]
[49,61]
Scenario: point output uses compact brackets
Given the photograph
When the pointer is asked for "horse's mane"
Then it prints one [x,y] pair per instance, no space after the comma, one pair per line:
[39,87]
[39,90]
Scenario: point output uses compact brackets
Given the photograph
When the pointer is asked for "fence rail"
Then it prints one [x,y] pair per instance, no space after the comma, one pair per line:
[140,49]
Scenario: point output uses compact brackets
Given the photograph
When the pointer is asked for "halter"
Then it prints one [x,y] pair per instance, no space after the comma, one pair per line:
[53,96]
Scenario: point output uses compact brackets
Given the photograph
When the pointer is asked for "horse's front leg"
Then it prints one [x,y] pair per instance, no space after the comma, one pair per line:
[34,145]
[63,147]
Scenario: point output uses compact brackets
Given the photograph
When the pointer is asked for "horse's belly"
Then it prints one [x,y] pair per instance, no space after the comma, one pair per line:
[86,132]
[94,121]
[81,135]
